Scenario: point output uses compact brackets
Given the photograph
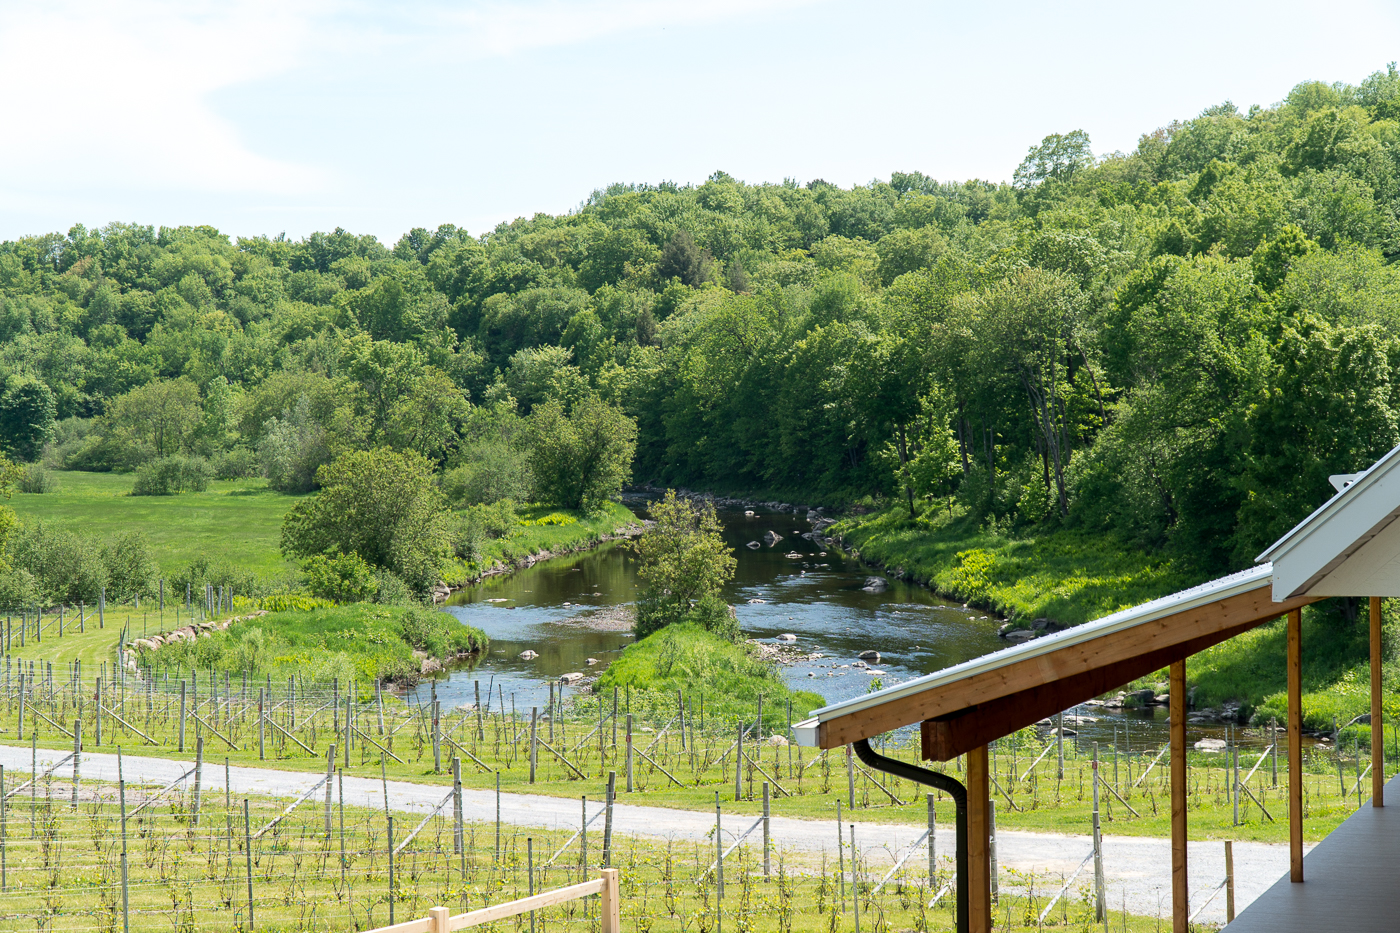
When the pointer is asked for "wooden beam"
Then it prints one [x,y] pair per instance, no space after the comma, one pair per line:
[950,736]
[1176,726]
[1377,714]
[1161,637]
[979,855]
[1295,745]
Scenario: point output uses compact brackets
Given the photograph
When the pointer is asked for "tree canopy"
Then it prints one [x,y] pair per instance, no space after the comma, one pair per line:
[1176,343]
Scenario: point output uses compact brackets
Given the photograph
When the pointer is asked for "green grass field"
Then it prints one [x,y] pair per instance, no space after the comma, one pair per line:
[235,521]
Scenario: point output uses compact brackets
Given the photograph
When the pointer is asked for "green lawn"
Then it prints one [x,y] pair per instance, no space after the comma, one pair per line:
[235,521]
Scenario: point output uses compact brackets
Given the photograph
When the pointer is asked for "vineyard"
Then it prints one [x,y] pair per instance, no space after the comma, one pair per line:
[202,860]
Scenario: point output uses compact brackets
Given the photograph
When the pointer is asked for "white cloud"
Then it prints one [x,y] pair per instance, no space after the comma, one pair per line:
[506,28]
[118,96]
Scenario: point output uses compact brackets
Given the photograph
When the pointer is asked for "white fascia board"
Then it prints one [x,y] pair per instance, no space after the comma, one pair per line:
[1364,480]
[1322,543]
[1223,588]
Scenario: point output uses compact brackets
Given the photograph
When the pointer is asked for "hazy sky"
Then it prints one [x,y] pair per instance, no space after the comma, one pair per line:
[262,117]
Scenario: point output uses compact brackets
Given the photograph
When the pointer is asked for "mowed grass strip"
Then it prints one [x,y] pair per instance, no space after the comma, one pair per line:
[235,521]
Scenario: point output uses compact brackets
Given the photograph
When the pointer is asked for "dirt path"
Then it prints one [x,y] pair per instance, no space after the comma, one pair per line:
[1138,869]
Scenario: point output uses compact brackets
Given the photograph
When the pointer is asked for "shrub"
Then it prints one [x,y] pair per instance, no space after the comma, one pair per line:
[170,476]
[201,571]
[343,578]
[391,590]
[35,479]
[439,634]
[65,568]
[293,449]
[476,524]
[131,569]
[381,505]
[238,463]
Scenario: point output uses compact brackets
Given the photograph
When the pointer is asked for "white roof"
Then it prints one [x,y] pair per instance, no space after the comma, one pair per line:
[1349,546]
[1233,585]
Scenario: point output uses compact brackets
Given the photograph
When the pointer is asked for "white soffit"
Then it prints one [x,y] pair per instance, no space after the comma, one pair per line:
[1350,546]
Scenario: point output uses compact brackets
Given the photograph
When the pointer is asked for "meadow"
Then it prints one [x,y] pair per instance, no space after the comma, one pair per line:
[236,522]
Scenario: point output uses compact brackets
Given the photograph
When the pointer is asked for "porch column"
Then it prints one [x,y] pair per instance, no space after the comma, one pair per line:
[979,861]
[1295,745]
[1377,717]
[1177,727]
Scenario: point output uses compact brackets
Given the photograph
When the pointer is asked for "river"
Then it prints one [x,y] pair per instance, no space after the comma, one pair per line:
[795,587]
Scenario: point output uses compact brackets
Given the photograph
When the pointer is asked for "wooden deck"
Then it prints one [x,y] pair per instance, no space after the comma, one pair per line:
[1352,880]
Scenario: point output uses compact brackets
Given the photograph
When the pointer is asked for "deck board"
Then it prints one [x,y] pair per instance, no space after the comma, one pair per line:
[1352,880]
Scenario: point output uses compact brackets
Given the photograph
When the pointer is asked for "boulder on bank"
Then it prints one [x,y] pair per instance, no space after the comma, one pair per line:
[568,680]
[1210,745]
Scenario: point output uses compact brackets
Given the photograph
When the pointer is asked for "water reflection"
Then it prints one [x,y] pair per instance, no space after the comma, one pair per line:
[794,587]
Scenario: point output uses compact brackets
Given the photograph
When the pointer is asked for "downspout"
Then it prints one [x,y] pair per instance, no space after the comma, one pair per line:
[943,782]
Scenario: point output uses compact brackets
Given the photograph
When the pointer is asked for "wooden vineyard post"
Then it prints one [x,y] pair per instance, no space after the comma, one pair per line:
[534,740]
[1377,714]
[608,820]
[248,863]
[1229,882]
[1176,724]
[850,779]
[932,847]
[1295,745]
[126,900]
[979,884]
[629,752]
[767,837]
[391,870]
[330,772]
[198,778]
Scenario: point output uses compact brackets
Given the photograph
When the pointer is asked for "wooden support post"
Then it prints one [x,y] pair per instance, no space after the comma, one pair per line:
[1295,745]
[611,902]
[979,867]
[1377,715]
[1181,906]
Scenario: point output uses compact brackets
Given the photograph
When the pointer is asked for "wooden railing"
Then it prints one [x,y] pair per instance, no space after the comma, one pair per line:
[439,921]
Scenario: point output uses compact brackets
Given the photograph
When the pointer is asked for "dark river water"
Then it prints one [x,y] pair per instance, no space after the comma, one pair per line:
[815,595]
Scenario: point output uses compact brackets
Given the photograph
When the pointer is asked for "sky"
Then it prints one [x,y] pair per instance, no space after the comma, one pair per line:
[291,116]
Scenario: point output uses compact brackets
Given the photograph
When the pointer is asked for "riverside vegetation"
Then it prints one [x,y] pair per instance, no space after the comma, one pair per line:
[1138,368]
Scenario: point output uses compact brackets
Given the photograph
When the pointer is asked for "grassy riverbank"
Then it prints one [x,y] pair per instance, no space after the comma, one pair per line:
[1072,577]
[540,533]
[1066,576]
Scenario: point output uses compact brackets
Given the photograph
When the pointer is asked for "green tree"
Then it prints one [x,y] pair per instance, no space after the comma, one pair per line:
[27,410]
[683,564]
[379,504]
[579,460]
[155,420]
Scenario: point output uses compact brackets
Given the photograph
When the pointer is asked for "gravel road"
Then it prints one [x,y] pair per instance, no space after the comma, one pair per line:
[1138,870]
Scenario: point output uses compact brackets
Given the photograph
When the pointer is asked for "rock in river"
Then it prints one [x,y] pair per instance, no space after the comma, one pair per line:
[528,655]
[870,655]
[875,585]
[771,538]
[569,680]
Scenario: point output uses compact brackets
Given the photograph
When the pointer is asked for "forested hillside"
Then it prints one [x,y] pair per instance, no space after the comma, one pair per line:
[1176,344]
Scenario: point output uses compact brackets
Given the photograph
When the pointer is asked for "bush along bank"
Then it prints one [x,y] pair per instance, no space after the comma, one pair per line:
[363,642]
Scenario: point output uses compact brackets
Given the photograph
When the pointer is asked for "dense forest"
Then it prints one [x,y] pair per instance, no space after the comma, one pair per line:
[1176,344]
